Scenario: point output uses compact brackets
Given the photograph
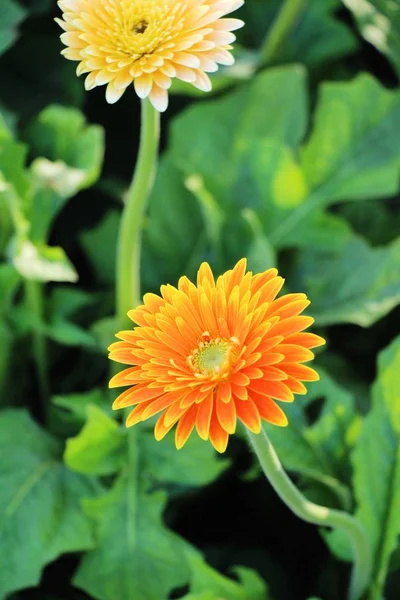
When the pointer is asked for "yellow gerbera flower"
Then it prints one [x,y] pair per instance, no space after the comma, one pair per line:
[148,42]
[204,356]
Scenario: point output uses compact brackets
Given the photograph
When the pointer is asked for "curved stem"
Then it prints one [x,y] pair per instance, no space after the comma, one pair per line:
[284,22]
[130,233]
[313,513]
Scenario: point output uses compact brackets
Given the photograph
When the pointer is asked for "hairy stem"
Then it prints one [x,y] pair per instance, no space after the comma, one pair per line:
[313,513]
[130,233]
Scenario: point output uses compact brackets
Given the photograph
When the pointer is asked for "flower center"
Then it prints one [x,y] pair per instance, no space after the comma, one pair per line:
[140,26]
[213,357]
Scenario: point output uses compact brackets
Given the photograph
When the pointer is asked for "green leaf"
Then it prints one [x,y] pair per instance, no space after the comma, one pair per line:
[100,446]
[376,464]
[352,153]
[319,452]
[236,121]
[99,244]
[61,133]
[136,555]
[43,263]
[379,23]
[71,155]
[68,334]
[40,513]
[205,577]
[12,165]
[260,254]
[172,209]
[316,38]
[76,405]
[195,465]
[353,150]
[356,284]
[65,301]
[11,15]
[9,281]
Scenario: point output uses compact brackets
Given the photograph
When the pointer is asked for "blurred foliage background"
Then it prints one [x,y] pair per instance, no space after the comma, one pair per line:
[293,160]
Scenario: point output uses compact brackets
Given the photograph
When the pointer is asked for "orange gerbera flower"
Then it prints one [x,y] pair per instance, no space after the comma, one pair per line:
[204,356]
[148,42]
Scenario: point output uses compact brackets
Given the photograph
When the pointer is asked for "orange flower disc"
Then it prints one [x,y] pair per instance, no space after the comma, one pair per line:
[205,356]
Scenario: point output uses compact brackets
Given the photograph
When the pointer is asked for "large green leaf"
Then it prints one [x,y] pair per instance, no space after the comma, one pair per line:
[376,464]
[70,158]
[379,23]
[136,555]
[356,284]
[100,246]
[353,151]
[100,446]
[166,255]
[315,38]
[195,465]
[274,104]
[40,513]
[11,14]
[204,578]
[320,451]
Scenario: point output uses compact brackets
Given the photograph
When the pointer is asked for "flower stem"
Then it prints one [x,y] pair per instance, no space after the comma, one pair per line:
[284,22]
[130,233]
[34,300]
[313,513]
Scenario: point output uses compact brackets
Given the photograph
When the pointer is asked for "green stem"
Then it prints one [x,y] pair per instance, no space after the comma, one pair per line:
[313,513]
[130,233]
[281,27]
[34,299]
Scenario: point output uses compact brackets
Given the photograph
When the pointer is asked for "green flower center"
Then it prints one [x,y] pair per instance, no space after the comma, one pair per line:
[213,356]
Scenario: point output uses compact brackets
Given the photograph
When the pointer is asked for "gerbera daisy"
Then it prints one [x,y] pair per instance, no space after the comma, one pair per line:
[148,42]
[204,356]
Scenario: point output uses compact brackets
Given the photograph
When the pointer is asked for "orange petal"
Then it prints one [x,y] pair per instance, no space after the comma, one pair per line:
[239,392]
[288,327]
[136,414]
[289,305]
[224,392]
[161,430]
[269,410]
[185,427]
[295,354]
[205,272]
[301,372]
[226,413]
[248,413]
[122,378]
[306,339]
[274,374]
[240,379]
[156,406]
[218,436]
[275,389]
[296,386]
[203,418]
